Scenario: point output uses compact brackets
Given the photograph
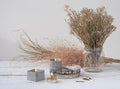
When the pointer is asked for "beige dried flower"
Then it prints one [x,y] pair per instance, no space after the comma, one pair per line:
[69,54]
[92,27]
[59,48]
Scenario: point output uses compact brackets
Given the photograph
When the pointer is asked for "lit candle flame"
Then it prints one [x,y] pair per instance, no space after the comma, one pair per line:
[55,59]
[51,74]
[35,69]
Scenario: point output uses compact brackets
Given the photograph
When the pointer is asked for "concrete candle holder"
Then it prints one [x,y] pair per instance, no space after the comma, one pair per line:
[35,75]
[55,65]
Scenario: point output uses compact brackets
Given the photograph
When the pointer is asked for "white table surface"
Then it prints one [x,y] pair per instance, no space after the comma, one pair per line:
[108,79]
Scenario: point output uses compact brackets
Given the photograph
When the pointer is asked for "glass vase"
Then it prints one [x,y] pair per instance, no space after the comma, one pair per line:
[93,60]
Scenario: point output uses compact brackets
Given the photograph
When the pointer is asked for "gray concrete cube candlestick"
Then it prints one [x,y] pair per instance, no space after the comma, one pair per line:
[37,75]
[55,65]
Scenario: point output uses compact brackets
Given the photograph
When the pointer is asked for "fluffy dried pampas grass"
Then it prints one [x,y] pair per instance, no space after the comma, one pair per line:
[71,54]
[31,50]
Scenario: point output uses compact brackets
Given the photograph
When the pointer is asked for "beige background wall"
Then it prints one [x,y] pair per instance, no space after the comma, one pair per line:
[46,18]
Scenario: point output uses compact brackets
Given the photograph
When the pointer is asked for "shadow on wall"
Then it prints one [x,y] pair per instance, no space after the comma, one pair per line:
[8,49]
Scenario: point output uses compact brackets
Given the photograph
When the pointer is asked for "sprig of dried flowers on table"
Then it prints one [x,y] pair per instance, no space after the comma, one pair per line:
[34,51]
[70,55]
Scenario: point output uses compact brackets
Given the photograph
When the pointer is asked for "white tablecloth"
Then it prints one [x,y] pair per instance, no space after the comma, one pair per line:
[108,79]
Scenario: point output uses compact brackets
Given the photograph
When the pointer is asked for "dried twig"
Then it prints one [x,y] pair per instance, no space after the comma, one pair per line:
[69,54]
[33,50]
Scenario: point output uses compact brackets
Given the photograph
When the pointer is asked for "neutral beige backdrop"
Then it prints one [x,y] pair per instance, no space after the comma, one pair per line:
[46,18]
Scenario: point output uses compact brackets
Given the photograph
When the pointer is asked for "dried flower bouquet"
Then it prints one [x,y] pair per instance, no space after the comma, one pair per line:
[93,28]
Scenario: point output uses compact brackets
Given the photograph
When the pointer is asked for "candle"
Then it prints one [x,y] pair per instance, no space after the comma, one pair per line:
[35,75]
[51,74]
[35,69]
[55,65]
[52,78]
